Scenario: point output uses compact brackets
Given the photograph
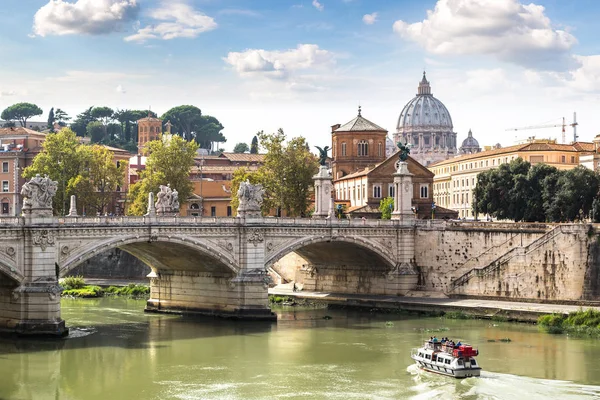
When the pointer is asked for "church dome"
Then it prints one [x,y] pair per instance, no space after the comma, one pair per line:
[470,145]
[424,111]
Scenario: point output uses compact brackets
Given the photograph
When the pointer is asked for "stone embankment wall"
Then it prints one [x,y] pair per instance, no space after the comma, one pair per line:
[529,261]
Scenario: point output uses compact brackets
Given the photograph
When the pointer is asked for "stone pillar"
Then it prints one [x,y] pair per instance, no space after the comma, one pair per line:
[403,193]
[151,207]
[323,187]
[73,207]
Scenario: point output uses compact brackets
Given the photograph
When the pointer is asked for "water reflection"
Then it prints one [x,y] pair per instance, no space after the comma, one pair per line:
[115,351]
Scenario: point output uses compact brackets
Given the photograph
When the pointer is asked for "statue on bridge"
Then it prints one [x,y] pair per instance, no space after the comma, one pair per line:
[251,198]
[323,154]
[167,201]
[38,194]
[404,151]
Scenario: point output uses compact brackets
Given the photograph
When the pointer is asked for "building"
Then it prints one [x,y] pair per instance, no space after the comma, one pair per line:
[18,147]
[592,160]
[470,145]
[364,175]
[356,145]
[425,123]
[456,178]
[149,129]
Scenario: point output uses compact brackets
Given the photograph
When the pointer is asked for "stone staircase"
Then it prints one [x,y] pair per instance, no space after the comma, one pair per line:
[504,258]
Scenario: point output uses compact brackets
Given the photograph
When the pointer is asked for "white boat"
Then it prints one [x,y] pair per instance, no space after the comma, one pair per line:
[447,359]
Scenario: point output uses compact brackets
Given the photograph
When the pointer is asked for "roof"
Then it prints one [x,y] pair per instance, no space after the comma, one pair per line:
[117,150]
[19,130]
[360,124]
[247,157]
[535,146]
[393,158]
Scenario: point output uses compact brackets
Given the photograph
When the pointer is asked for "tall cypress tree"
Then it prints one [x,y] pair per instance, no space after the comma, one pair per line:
[254,145]
[51,120]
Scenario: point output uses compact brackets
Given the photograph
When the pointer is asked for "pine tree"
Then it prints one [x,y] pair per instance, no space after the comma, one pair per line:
[254,145]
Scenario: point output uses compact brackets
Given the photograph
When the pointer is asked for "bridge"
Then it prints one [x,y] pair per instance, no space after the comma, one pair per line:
[215,266]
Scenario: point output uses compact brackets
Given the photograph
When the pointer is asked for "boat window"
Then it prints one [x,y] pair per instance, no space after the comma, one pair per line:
[460,362]
[473,362]
[427,356]
[447,361]
[420,354]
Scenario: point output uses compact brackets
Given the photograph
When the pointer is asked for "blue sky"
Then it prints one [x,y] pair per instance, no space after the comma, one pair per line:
[306,65]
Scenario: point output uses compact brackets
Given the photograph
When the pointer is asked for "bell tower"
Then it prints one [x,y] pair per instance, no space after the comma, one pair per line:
[149,129]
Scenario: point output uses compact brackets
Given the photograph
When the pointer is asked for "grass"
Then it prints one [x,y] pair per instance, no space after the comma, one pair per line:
[75,286]
[582,322]
[457,315]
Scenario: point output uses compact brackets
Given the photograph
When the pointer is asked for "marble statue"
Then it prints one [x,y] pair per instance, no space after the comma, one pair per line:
[250,197]
[38,192]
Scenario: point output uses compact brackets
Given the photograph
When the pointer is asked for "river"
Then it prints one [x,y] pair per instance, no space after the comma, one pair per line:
[116,351]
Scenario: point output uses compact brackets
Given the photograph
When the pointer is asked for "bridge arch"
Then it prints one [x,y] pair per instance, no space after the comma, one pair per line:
[167,253]
[9,269]
[314,242]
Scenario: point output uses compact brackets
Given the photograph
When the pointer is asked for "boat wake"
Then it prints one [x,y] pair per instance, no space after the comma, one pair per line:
[494,386]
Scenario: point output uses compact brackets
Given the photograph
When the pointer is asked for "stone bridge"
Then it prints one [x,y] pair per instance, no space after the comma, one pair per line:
[215,266]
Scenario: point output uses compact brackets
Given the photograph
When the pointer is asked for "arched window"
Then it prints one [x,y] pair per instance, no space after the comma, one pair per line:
[380,149]
[424,191]
[194,206]
[151,129]
[363,148]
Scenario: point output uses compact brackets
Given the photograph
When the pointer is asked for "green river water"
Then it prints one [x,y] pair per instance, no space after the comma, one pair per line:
[116,351]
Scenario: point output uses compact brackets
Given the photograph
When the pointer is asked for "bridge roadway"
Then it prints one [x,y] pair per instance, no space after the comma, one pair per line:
[201,265]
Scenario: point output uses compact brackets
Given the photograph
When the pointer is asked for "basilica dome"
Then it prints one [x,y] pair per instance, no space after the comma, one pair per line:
[470,145]
[424,110]
[426,125]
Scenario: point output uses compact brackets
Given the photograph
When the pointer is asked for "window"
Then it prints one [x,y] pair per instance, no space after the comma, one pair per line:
[363,191]
[151,129]
[5,208]
[424,191]
[416,141]
[380,149]
[5,167]
[377,192]
[344,148]
[391,191]
[213,211]
[563,159]
[363,148]
[5,186]
[229,211]
[536,159]
[426,139]
[572,159]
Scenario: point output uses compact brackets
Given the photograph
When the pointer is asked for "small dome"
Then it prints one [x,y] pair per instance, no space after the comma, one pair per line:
[424,110]
[470,145]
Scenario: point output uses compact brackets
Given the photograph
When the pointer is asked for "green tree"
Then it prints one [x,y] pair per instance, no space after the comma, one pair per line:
[286,174]
[209,131]
[105,115]
[576,190]
[536,180]
[169,162]
[186,120]
[95,130]
[61,116]
[386,206]
[595,216]
[59,160]
[51,120]
[21,112]
[79,125]
[254,145]
[240,148]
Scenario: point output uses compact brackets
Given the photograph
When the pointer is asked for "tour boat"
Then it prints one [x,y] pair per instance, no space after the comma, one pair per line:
[447,358]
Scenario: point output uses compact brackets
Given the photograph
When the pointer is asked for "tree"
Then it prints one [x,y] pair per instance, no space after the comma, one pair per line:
[386,206]
[95,130]
[169,162]
[79,125]
[576,190]
[286,174]
[209,131]
[59,160]
[21,112]
[254,145]
[185,119]
[103,114]
[240,148]
[61,116]
[51,120]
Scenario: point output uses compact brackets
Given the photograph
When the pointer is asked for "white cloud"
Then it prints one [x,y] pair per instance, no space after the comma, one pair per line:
[239,11]
[279,64]
[318,5]
[181,21]
[92,17]
[511,31]
[121,89]
[370,19]
[5,93]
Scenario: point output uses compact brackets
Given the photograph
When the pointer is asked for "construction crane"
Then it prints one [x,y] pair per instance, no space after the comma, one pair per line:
[563,126]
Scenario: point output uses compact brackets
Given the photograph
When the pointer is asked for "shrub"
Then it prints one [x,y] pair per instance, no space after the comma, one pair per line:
[85,292]
[73,282]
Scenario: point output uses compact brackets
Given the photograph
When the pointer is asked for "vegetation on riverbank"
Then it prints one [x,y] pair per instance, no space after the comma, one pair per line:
[293,301]
[582,322]
[75,286]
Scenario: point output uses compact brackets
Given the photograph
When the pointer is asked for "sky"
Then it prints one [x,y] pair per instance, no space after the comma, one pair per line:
[304,65]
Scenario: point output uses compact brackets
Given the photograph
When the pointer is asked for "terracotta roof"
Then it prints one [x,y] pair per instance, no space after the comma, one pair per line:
[244,157]
[536,146]
[117,150]
[149,119]
[20,131]
[360,124]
